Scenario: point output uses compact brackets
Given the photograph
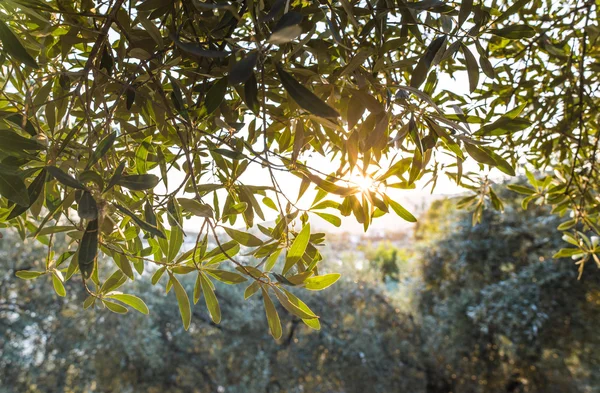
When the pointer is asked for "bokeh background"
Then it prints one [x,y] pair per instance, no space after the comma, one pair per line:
[440,307]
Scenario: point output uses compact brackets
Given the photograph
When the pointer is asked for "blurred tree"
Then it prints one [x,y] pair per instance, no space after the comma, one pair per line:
[497,314]
[48,346]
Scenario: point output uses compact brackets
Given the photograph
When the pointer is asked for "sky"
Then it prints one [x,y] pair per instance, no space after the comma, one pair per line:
[415,200]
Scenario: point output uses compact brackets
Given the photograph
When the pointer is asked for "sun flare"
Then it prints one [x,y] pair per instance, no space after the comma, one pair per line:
[364,182]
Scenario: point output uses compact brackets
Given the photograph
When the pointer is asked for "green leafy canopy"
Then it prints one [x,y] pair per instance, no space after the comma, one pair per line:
[103,101]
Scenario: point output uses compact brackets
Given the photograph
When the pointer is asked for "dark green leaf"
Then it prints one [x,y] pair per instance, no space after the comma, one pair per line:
[12,142]
[243,69]
[422,68]
[12,46]
[198,50]
[13,188]
[479,154]
[87,209]
[472,68]
[215,95]
[116,176]
[142,224]
[138,182]
[102,148]
[465,10]
[286,29]
[88,248]
[304,97]
[515,32]
[64,178]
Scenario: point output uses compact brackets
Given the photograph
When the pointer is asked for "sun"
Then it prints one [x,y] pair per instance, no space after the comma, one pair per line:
[365,182]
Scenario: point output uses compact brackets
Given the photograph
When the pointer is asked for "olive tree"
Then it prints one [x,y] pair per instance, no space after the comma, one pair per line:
[103,102]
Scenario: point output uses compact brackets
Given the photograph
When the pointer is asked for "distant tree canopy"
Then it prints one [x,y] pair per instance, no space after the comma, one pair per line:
[102,101]
[476,311]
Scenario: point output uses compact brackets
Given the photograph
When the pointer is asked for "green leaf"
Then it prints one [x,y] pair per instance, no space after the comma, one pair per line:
[88,248]
[567,253]
[251,93]
[184,302]
[330,187]
[486,66]
[472,68]
[129,97]
[133,301]
[89,302]
[195,207]
[115,307]
[251,290]
[296,251]
[34,191]
[198,51]
[479,155]
[419,74]
[465,10]
[113,282]
[504,125]
[516,6]
[64,178]
[501,163]
[12,142]
[272,316]
[243,69]
[291,307]
[312,323]
[157,275]
[514,32]
[399,210]
[234,155]
[116,176]
[102,148]
[124,265]
[304,97]
[12,45]
[243,238]
[13,188]
[87,209]
[226,276]
[318,283]
[141,223]
[55,229]
[211,300]
[138,182]
[141,155]
[215,95]
[28,274]
[175,243]
[287,28]
[520,189]
[59,288]
[272,259]
[335,220]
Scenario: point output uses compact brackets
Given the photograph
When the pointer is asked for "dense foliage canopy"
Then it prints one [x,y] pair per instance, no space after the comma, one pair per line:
[103,102]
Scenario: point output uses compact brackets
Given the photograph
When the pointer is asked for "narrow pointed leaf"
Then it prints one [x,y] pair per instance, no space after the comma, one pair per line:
[304,97]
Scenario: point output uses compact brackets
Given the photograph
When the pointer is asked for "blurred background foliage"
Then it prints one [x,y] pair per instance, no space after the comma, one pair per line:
[457,308]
